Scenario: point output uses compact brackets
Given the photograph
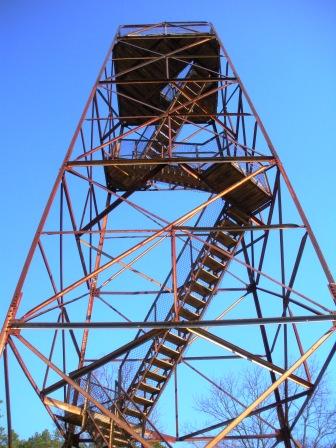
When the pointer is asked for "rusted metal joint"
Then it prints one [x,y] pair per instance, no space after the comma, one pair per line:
[283,434]
[14,331]
[251,287]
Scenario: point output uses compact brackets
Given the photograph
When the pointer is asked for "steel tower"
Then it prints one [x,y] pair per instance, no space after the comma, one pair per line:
[172,250]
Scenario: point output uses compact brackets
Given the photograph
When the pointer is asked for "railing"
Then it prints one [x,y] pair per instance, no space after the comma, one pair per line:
[166,29]
[133,149]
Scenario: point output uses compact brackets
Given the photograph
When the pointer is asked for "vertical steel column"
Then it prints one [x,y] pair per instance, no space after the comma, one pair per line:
[8,402]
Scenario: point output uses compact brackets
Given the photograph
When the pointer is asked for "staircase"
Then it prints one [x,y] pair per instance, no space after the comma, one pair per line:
[193,298]
[135,404]
[105,434]
[184,93]
[158,146]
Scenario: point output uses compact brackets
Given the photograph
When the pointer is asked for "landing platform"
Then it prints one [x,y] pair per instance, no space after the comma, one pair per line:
[168,55]
[249,197]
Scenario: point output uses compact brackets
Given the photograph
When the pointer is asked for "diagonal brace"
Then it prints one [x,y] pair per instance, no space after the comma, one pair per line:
[247,355]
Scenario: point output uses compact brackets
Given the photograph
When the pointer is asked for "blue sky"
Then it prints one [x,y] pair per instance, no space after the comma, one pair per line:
[285,53]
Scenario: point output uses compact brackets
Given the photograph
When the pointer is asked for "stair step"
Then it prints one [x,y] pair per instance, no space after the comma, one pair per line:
[225,239]
[120,442]
[184,110]
[169,351]
[188,315]
[213,264]
[227,223]
[201,289]
[155,376]
[118,432]
[193,301]
[162,363]
[175,339]
[239,216]
[166,130]
[177,123]
[155,149]
[162,137]
[104,431]
[142,400]
[207,276]
[133,412]
[156,152]
[218,252]
[184,332]
[148,388]
[180,101]
[190,90]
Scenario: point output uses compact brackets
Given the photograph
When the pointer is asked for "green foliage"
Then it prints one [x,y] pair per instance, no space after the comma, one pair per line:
[3,434]
[15,440]
[3,437]
[40,440]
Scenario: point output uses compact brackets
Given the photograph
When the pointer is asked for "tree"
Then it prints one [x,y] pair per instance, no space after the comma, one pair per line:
[3,436]
[315,429]
[43,439]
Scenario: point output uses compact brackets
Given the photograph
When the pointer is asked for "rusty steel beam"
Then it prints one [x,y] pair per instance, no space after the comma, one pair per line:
[8,400]
[164,80]
[195,229]
[170,161]
[171,115]
[206,335]
[19,324]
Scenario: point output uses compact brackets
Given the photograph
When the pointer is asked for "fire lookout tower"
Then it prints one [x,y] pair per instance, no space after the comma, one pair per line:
[172,251]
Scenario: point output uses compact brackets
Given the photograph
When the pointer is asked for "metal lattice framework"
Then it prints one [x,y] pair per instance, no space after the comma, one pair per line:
[171,237]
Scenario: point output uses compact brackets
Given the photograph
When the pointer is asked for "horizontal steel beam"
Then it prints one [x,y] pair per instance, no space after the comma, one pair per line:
[241,228]
[165,80]
[183,57]
[189,229]
[17,324]
[187,358]
[170,24]
[169,161]
[171,114]
[168,36]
